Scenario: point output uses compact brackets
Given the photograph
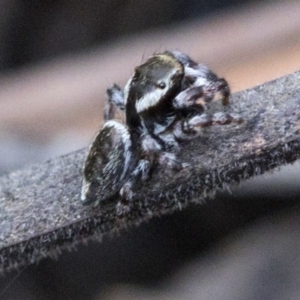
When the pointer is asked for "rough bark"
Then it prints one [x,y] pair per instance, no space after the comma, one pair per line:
[40,210]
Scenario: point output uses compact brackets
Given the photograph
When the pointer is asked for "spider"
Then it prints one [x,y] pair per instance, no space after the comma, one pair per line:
[162,109]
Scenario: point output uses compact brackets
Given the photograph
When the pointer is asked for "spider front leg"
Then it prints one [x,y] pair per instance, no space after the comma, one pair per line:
[194,116]
[187,99]
[198,75]
[211,85]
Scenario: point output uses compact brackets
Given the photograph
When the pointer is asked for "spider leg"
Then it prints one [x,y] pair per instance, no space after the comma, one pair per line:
[223,118]
[115,99]
[198,75]
[151,152]
[140,173]
[191,127]
[159,149]
[193,116]
[188,97]
[224,89]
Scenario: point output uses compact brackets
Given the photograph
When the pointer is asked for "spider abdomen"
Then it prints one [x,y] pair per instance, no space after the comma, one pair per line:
[108,163]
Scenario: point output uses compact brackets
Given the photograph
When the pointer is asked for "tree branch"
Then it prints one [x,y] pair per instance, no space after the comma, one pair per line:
[40,210]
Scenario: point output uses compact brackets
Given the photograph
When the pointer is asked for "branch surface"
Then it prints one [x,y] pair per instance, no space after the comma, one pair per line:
[40,208]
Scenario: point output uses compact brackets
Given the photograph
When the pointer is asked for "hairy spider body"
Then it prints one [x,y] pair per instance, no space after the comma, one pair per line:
[161,109]
[103,172]
[151,90]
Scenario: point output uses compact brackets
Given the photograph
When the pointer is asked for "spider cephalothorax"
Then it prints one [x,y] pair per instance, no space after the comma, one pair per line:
[161,109]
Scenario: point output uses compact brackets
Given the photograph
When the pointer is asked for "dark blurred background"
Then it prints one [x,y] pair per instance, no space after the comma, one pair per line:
[56,60]
[32,31]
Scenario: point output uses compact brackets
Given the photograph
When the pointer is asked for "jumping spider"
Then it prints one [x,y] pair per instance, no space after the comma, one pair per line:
[161,110]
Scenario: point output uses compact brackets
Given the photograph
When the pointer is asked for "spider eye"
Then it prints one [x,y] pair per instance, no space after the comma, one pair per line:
[161,85]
